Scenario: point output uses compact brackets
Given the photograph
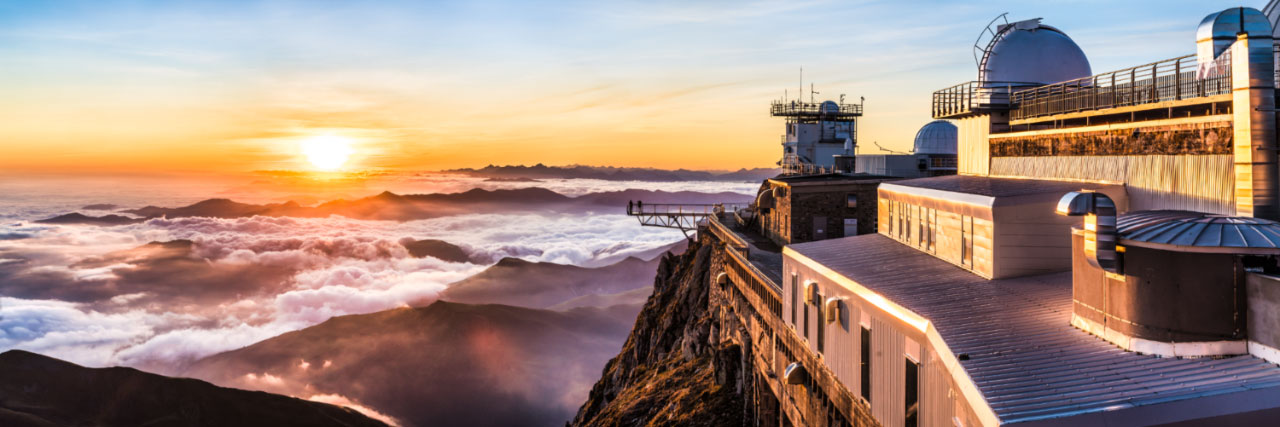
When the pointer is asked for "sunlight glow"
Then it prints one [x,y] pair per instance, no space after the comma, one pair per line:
[327,152]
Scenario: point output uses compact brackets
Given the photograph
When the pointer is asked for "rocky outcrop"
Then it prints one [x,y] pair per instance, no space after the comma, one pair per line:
[672,370]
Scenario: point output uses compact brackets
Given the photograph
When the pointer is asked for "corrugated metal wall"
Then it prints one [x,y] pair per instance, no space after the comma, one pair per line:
[972,146]
[1203,183]
[936,402]
[888,368]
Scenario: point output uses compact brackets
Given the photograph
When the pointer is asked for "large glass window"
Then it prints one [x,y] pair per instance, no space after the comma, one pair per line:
[851,201]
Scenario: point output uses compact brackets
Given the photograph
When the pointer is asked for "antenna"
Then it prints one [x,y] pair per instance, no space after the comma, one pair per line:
[842,99]
[799,92]
[877,143]
[812,93]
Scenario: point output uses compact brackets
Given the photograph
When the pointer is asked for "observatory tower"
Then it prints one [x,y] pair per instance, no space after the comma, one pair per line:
[820,137]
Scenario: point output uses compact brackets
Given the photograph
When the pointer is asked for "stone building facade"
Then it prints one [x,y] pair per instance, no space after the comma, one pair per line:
[806,208]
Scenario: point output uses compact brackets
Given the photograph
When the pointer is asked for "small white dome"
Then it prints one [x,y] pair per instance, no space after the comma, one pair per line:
[1030,52]
[937,137]
[829,107]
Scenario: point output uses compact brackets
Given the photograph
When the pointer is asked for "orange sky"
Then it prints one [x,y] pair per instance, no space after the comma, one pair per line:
[229,87]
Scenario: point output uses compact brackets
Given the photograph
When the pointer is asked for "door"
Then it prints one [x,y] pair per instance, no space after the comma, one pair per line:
[819,227]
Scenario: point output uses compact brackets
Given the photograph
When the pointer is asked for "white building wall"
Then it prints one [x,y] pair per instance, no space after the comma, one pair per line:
[937,402]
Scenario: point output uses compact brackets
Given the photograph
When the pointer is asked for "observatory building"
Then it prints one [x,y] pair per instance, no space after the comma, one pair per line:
[1106,253]
[818,135]
[984,299]
[933,154]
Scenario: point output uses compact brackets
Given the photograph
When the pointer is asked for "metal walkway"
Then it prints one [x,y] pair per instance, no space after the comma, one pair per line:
[685,217]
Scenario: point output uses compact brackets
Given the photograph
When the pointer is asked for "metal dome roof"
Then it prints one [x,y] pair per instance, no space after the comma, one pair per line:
[1186,231]
[1031,52]
[829,107]
[937,137]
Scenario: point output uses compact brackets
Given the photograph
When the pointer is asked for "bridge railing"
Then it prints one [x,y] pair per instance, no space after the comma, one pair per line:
[681,209]
[1168,80]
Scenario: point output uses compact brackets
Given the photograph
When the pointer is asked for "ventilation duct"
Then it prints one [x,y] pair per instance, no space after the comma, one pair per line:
[833,310]
[1100,236]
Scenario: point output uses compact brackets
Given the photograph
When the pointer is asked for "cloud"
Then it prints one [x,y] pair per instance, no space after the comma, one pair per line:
[106,296]
[334,399]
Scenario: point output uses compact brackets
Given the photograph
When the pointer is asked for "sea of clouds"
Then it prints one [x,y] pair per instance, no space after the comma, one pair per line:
[101,296]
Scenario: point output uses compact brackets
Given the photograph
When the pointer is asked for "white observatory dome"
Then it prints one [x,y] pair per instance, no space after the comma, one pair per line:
[937,137]
[1030,52]
[829,107]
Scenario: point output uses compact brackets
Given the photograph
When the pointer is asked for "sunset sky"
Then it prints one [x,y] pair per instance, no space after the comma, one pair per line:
[102,86]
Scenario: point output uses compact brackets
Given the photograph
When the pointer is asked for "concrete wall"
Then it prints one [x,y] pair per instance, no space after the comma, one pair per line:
[1263,294]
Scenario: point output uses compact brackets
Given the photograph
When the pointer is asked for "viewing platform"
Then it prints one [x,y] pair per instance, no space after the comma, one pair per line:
[1173,88]
[684,217]
[808,110]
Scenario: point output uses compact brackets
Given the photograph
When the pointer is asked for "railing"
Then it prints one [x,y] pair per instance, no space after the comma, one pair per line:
[642,208]
[970,97]
[797,109]
[1169,80]
[942,162]
[742,271]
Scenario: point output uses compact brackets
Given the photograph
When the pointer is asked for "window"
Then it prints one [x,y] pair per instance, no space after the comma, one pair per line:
[822,324]
[966,241]
[866,363]
[806,316]
[795,297]
[851,201]
[912,387]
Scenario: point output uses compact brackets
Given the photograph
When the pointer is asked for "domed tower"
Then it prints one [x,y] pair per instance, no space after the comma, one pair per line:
[1011,56]
[937,137]
[1031,53]
[935,148]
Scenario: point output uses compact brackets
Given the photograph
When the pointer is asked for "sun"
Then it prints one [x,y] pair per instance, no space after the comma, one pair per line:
[327,152]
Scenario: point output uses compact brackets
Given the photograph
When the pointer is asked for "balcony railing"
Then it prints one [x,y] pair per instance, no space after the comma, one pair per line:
[808,109]
[973,97]
[1169,80]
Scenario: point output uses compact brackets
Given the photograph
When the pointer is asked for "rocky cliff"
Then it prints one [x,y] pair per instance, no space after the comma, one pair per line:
[672,370]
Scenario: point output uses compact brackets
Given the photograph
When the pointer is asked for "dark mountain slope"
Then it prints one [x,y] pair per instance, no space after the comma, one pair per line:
[37,390]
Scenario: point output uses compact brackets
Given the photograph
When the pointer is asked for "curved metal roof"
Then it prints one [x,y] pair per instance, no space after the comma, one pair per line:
[1186,231]
[937,137]
[1031,52]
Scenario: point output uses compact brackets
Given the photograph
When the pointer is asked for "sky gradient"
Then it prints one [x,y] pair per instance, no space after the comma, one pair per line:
[216,87]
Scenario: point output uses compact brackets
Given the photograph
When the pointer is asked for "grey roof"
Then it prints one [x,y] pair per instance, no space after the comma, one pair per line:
[996,187]
[1198,231]
[1024,355]
[836,178]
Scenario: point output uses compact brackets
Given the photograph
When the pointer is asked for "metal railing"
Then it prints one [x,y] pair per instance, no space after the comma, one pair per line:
[975,96]
[797,109]
[1169,80]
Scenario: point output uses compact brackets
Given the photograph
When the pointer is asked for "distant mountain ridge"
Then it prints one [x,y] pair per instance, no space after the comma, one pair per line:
[541,171]
[37,390]
[513,281]
[396,207]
